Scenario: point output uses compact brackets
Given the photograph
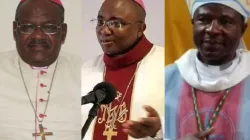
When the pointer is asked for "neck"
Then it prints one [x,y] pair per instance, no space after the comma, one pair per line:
[134,55]
[215,62]
[45,63]
[123,52]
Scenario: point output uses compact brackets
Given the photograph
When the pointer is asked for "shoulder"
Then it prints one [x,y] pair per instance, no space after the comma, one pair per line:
[8,54]
[8,57]
[68,57]
[156,55]
[70,61]
[91,63]
[171,69]
[158,49]
[172,74]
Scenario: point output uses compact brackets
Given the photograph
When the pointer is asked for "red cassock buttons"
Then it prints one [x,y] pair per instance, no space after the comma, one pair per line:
[42,72]
[42,115]
[42,85]
[42,100]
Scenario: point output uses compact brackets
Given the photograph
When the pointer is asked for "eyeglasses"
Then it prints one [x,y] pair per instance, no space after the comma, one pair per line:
[30,28]
[112,24]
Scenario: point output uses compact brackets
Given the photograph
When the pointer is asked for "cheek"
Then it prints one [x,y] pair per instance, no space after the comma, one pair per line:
[98,34]
[198,35]
[126,37]
[22,40]
[55,41]
[233,37]
[199,30]
[234,34]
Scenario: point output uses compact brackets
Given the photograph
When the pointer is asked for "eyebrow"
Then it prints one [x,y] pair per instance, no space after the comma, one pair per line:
[206,12]
[203,13]
[208,15]
[226,15]
[198,15]
[111,18]
[45,22]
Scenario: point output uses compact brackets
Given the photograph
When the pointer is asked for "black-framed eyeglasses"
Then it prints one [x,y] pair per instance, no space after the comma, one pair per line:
[112,24]
[30,28]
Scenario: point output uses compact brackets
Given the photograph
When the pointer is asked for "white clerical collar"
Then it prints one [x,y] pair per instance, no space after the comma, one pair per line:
[234,74]
[209,73]
[39,68]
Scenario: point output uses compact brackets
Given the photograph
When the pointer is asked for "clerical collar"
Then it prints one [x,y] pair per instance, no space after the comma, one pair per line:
[133,56]
[191,73]
[39,68]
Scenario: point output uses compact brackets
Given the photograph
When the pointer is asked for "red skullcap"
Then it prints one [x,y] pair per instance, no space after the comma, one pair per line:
[54,1]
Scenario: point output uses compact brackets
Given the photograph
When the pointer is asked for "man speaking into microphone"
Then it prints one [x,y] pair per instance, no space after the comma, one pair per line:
[134,66]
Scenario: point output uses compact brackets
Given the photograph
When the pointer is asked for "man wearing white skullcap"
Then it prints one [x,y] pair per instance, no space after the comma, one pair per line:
[207,89]
[135,66]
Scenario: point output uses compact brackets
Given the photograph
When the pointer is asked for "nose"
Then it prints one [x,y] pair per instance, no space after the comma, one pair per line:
[214,28]
[38,33]
[105,30]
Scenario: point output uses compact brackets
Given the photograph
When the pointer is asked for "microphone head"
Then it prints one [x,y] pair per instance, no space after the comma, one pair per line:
[109,89]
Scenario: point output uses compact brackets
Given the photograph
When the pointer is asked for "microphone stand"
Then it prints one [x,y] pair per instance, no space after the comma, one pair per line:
[91,116]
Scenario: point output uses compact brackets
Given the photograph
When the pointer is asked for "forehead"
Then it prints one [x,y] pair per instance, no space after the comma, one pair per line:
[217,10]
[122,9]
[39,12]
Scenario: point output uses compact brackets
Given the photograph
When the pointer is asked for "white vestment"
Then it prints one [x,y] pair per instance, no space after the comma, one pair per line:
[148,86]
[17,117]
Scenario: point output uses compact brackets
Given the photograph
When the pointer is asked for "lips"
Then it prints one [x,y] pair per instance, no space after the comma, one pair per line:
[213,43]
[38,47]
[106,41]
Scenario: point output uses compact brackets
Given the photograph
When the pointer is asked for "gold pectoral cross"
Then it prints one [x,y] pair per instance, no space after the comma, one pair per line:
[109,133]
[42,133]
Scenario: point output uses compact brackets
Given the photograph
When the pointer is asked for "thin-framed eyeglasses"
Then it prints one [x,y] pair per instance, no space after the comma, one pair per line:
[112,24]
[30,28]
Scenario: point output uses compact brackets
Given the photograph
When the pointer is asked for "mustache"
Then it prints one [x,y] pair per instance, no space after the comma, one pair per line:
[218,41]
[38,42]
[214,39]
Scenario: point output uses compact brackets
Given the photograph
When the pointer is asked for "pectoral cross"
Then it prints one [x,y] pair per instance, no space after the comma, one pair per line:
[109,133]
[42,133]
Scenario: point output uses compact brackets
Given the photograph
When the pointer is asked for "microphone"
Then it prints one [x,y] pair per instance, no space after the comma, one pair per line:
[103,93]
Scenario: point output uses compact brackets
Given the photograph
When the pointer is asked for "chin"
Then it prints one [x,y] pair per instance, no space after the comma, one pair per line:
[108,51]
[39,58]
[111,54]
[210,55]
[212,60]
